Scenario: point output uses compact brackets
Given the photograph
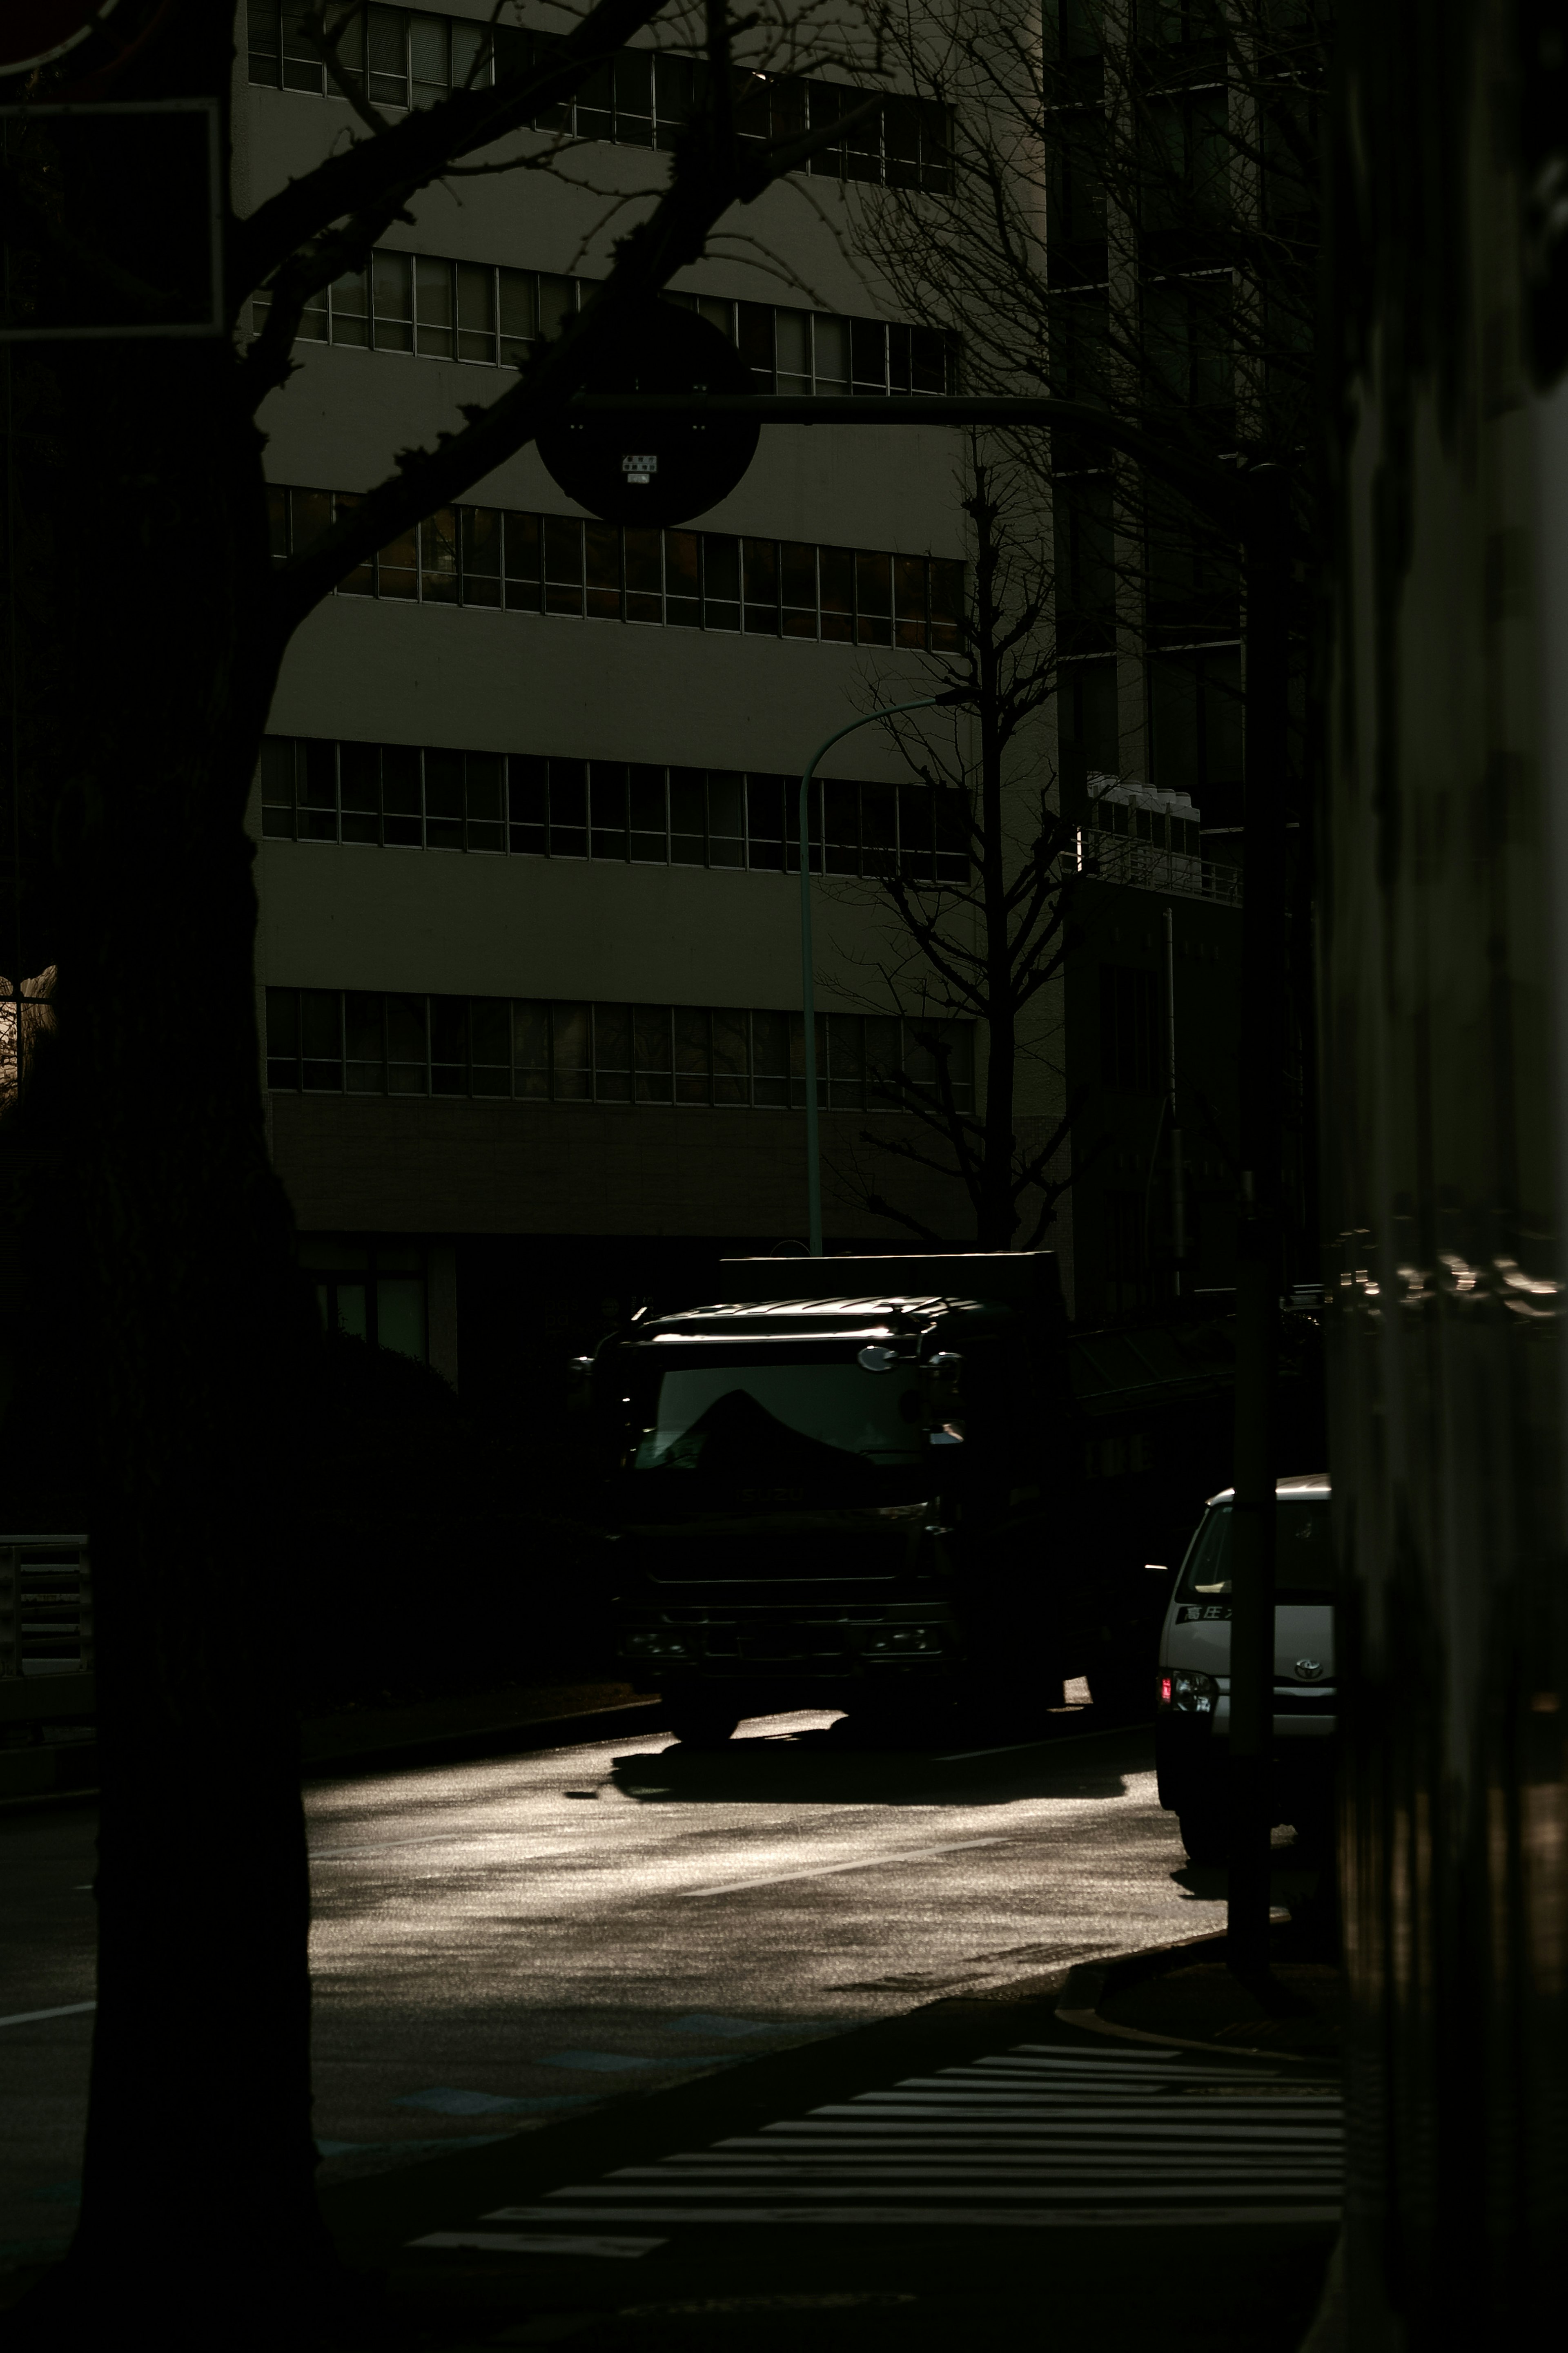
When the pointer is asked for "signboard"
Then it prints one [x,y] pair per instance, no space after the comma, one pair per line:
[657,469]
[115,226]
[33,33]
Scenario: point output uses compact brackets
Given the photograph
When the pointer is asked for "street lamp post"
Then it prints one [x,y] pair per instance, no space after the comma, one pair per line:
[807,991]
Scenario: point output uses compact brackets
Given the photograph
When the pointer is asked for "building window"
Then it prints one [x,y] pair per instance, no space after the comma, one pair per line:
[351,1041]
[636,98]
[398,797]
[496,558]
[489,316]
[370,1289]
[1129,1029]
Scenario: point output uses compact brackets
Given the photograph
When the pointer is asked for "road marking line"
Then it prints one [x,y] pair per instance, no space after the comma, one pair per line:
[860,1862]
[1171,2217]
[1012,1747]
[65,2010]
[538,2242]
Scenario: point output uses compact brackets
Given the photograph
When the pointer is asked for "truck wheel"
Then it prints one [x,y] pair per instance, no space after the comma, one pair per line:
[701,1722]
[1206,1834]
[1123,1689]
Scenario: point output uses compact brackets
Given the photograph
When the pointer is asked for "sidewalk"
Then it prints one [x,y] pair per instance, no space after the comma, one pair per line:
[968,2173]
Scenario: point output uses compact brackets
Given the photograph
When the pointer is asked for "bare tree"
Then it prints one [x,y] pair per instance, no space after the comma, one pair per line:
[976,947]
[148,633]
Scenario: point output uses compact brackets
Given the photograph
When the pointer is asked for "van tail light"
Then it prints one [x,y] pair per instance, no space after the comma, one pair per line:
[1165,1691]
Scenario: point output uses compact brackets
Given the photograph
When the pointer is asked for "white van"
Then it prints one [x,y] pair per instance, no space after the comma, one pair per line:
[1192,1723]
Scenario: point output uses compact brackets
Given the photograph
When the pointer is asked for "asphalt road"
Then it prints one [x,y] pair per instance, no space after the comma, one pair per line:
[502,1944]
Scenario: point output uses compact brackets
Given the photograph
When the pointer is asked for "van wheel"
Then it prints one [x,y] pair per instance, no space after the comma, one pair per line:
[701,1722]
[1206,1834]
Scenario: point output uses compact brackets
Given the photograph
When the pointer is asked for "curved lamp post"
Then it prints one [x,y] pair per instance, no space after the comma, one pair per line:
[808,995]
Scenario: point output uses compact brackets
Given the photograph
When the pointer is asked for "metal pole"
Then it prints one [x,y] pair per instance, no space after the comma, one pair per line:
[1178,1196]
[1267,559]
[807,989]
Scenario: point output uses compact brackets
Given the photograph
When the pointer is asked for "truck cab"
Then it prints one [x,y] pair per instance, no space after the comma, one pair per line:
[841,1484]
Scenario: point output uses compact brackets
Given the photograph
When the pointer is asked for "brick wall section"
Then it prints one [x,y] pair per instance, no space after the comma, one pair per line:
[416,1166]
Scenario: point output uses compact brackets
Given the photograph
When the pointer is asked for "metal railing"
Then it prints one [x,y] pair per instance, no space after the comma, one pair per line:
[1146,866]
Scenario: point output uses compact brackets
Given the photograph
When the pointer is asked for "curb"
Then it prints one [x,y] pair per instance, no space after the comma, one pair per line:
[1088,1982]
[488,1740]
[433,1748]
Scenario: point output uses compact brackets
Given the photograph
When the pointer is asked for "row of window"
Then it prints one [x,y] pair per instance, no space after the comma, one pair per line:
[636,98]
[400,797]
[350,1041]
[679,579]
[476,311]
[1156,826]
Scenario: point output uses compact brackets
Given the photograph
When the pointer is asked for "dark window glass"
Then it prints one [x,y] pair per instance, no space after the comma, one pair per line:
[527,802]
[761,558]
[720,581]
[435,334]
[604,562]
[611,1053]
[450,1045]
[442,800]
[916,846]
[754,335]
[608,785]
[359,784]
[476,311]
[654,1066]
[481,554]
[563,565]
[364,1043]
[401,799]
[688,817]
[486,791]
[765,821]
[523,565]
[644,556]
[952,837]
[841,804]
[318,787]
[571,1057]
[693,1055]
[909,600]
[682,603]
[928,360]
[869,354]
[879,827]
[946,607]
[846,1061]
[835,569]
[770,1061]
[397,565]
[490,1045]
[568,809]
[321,1038]
[407,1045]
[530,1050]
[392,297]
[732,1057]
[283,1038]
[726,819]
[277,775]
[874,600]
[883,1063]
[649,832]
[797,573]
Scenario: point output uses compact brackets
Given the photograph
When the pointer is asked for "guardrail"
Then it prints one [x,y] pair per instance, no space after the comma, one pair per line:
[1145,866]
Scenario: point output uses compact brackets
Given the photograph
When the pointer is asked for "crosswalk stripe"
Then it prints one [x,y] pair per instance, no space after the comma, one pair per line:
[938,2217]
[1024,2138]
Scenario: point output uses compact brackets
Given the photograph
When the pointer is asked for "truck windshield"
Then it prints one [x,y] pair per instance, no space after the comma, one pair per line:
[743,1421]
[1303,1561]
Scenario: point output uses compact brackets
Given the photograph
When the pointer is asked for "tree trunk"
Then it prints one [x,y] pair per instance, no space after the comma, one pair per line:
[140,500]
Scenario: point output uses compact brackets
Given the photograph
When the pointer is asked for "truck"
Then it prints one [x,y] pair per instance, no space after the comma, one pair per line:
[861,1484]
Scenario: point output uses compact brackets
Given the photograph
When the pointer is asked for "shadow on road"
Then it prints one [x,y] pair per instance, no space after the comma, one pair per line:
[836,1767]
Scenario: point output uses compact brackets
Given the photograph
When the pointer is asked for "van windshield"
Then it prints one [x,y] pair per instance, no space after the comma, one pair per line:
[1303,1560]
